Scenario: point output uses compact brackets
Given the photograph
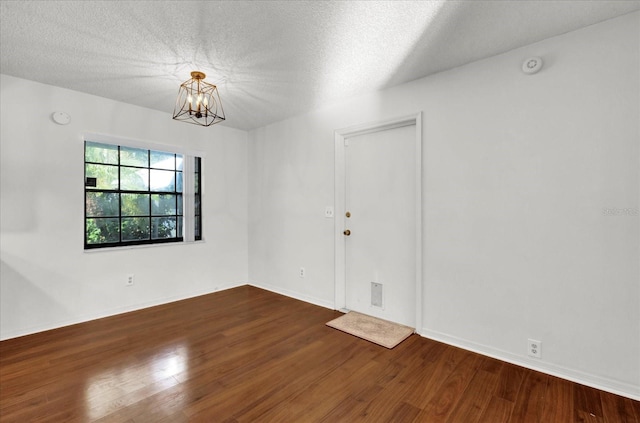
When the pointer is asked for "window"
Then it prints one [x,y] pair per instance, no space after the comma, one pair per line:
[136,196]
[197,212]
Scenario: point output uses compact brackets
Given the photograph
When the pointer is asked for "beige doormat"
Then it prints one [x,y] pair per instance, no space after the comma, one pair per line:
[381,332]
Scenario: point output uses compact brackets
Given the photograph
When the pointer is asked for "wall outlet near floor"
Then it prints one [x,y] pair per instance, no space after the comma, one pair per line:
[302,272]
[534,348]
[129,281]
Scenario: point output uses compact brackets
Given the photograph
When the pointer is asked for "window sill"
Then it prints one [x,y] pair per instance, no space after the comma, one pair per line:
[142,246]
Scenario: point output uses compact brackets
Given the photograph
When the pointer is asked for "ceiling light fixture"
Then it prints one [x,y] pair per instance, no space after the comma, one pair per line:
[198,102]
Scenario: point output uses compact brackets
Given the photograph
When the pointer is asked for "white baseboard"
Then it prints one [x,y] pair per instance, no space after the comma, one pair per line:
[107,313]
[295,295]
[609,385]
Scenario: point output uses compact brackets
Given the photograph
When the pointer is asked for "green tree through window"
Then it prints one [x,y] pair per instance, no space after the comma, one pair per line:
[135,196]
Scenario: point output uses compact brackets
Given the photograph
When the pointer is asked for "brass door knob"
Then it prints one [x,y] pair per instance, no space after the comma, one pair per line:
[347,232]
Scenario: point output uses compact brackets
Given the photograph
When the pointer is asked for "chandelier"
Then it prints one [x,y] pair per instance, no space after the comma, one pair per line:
[198,102]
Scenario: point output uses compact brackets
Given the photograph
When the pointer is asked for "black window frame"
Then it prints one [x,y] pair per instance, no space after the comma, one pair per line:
[197,193]
[119,191]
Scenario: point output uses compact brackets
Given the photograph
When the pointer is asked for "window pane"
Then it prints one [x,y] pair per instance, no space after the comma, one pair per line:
[163,227]
[134,157]
[178,181]
[101,153]
[135,228]
[134,179]
[160,160]
[179,204]
[100,231]
[178,162]
[135,204]
[163,180]
[179,228]
[106,176]
[163,204]
[102,204]
[197,230]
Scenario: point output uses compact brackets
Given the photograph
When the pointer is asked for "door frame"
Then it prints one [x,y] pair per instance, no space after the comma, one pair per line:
[340,207]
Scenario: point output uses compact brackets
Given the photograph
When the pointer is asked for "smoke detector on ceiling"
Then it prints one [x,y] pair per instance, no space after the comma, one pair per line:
[532,65]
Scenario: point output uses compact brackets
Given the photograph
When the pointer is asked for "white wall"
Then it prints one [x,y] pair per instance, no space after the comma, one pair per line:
[47,279]
[518,173]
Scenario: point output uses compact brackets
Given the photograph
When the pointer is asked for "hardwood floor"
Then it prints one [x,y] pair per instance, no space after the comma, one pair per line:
[249,355]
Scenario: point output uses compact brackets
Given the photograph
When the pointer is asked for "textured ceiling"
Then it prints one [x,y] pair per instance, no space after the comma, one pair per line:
[270,59]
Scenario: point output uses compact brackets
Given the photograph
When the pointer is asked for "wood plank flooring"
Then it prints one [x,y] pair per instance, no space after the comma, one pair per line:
[249,355]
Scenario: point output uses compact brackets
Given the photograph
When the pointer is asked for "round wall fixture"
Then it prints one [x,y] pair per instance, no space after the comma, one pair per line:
[532,65]
[61,118]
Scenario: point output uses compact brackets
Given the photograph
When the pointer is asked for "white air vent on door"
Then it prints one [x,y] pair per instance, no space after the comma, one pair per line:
[376,294]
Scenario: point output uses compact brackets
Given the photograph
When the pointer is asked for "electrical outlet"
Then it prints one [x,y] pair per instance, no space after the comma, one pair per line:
[129,281]
[302,272]
[328,211]
[534,348]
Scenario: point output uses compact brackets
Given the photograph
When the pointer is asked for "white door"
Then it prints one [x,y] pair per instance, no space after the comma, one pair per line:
[380,220]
